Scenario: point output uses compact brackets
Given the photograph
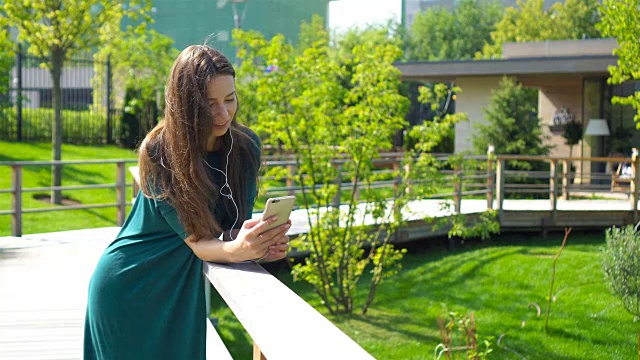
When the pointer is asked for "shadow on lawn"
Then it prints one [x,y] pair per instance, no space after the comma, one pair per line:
[390,323]
[70,173]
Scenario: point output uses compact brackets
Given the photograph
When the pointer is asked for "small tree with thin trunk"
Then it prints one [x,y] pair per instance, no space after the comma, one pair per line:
[55,30]
[572,133]
[333,109]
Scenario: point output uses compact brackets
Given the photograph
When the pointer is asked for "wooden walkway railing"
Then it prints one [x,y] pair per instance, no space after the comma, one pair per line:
[494,181]
[17,190]
[263,304]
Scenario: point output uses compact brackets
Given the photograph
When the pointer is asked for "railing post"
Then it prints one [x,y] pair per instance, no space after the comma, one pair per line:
[336,199]
[500,189]
[553,188]
[395,166]
[289,181]
[16,200]
[490,178]
[407,171]
[121,191]
[634,185]
[257,354]
[566,178]
[457,186]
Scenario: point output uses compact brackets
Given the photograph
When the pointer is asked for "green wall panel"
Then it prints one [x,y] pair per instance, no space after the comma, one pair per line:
[192,21]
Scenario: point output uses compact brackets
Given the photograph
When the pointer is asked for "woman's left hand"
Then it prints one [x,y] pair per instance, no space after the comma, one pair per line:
[278,250]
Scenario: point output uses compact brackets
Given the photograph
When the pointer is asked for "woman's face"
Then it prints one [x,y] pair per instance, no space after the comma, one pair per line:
[221,93]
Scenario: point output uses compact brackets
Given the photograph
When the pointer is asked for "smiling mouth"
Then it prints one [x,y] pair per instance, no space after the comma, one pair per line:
[221,124]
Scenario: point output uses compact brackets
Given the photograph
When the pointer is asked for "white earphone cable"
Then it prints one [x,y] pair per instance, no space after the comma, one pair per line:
[227,193]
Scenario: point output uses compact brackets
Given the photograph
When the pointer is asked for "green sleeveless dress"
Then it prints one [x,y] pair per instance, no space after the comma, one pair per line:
[146,296]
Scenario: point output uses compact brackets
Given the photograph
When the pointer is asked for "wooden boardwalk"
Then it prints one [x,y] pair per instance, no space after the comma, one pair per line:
[44,277]
[43,284]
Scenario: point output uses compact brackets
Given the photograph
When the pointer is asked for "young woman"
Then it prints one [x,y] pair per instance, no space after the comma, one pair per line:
[198,172]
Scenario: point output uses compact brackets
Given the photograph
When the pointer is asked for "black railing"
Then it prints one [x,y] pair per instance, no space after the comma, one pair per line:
[26,112]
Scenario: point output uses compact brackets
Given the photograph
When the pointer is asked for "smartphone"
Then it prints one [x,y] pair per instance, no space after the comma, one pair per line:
[280,206]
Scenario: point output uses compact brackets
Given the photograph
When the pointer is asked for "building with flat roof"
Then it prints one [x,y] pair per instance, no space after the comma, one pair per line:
[571,75]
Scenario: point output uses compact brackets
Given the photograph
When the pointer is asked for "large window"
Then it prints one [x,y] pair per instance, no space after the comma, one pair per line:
[624,135]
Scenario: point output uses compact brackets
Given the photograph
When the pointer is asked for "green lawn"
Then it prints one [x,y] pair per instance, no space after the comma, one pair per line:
[40,176]
[496,281]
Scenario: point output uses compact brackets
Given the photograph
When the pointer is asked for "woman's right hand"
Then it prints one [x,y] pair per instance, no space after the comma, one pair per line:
[253,241]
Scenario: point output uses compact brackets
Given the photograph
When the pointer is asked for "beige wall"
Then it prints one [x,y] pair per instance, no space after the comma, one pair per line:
[555,93]
[475,95]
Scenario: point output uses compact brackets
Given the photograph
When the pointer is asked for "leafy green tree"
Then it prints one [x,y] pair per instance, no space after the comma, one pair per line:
[141,59]
[621,20]
[529,21]
[311,32]
[55,30]
[443,34]
[572,134]
[304,109]
[333,109]
[511,124]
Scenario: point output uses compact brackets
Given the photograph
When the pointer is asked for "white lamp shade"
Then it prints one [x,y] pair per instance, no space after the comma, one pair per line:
[597,127]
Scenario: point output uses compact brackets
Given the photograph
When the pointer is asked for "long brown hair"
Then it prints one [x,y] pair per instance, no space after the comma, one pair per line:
[172,155]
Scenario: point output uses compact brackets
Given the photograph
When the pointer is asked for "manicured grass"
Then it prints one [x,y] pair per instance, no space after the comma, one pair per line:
[497,281]
[40,176]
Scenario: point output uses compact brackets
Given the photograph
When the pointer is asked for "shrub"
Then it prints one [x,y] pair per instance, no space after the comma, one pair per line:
[460,338]
[78,126]
[621,266]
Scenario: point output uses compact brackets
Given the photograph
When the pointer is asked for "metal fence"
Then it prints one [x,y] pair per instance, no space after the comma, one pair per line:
[26,112]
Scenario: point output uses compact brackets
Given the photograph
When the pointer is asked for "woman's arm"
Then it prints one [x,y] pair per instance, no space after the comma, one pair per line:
[252,243]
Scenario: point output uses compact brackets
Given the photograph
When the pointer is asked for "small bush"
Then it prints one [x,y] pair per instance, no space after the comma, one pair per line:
[621,266]
[460,339]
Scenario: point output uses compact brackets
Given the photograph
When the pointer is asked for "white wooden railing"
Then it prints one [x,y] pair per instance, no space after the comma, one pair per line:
[282,325]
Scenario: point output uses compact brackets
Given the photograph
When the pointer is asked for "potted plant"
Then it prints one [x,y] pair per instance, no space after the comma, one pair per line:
[572,133]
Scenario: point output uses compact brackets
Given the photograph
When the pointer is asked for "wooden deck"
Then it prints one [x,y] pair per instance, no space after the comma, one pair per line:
[44,277]
[44,280]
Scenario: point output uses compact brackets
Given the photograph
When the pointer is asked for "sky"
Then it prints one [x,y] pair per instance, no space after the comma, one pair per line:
[344,14]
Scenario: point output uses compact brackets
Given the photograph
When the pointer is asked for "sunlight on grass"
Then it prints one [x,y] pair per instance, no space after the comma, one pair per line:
[40,176]
[497,281]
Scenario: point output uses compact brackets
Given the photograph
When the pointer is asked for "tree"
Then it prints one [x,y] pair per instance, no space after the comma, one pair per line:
[443,34]
[512,125]
[529,21]
[54,30]
[572,134]
[141,61]
[310,33]
[621,20]
[333,109]
[304,109]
